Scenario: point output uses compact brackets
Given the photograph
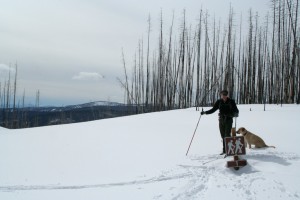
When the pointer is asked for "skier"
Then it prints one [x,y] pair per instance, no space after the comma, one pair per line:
[227,110]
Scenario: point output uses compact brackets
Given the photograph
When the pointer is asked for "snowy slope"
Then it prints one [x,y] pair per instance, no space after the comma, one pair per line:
[143,157]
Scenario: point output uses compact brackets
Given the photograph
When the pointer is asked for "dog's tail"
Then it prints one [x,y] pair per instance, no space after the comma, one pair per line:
[271,146]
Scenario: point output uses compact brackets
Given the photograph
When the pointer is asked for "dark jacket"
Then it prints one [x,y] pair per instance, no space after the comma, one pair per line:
[227,109]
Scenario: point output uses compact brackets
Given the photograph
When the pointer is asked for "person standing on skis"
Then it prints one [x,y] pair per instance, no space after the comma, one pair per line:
[227,110]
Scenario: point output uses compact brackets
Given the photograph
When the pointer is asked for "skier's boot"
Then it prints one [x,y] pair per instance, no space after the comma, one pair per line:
[223,152]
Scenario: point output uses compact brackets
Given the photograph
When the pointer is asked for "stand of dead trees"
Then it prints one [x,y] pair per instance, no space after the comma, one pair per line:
[258,66]
[8,116]
[12,111]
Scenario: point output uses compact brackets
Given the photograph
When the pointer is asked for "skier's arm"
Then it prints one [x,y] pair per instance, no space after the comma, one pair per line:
[214,108]
[235,109]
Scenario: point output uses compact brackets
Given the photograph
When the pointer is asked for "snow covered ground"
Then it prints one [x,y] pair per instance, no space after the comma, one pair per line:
[143,157]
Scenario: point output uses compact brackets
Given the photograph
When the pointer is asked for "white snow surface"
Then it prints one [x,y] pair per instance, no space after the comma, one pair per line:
[143,157]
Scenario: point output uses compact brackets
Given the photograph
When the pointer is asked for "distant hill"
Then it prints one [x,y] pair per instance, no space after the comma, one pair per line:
[52,115]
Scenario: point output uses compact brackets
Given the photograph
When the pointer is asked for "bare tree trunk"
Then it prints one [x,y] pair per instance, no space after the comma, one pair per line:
[7,113]
[148,64]
[198,60]
[126,80]
[249,71]
[37,105]
[14,117]
[293,23]
[24,114]
[272,66]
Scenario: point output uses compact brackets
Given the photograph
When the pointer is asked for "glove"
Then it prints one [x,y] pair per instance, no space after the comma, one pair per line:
[203,113]
[235,114]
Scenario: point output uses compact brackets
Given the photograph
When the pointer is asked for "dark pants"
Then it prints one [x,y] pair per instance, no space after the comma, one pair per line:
[225,125]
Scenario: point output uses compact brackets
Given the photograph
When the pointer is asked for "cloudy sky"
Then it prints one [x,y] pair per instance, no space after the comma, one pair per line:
[71,50]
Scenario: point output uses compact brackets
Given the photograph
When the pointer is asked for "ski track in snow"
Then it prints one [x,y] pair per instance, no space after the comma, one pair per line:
[60,187]
[194,177]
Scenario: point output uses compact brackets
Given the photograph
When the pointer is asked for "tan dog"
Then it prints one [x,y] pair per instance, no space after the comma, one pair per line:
[251,138]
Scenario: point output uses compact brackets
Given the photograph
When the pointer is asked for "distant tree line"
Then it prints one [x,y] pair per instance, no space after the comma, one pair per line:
[62,115]
[260,66]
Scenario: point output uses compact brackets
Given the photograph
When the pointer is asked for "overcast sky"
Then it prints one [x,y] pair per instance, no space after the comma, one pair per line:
[70,50]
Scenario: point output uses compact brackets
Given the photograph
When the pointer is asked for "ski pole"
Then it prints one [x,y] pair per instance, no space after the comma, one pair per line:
[235,123]
[194,134]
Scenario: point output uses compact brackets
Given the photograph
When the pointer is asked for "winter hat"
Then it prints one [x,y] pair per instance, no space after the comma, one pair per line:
[224,92]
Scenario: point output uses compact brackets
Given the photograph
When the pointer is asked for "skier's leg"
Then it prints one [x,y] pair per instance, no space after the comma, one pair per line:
[222,132]
[228,127]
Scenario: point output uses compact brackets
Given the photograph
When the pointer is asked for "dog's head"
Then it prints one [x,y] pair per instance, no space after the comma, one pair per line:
[241,131]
